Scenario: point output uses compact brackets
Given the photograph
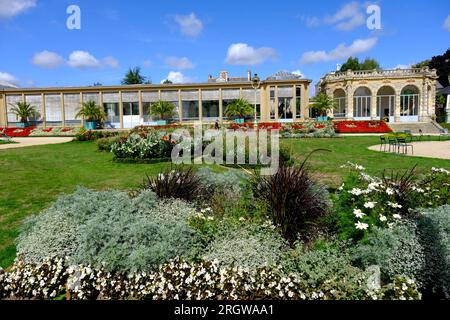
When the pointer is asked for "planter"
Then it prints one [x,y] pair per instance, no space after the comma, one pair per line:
[322,119]
[161,122]
[239,121]
[22,125]
[91,125]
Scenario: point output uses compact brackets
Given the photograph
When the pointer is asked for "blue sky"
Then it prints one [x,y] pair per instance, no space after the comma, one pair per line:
[187,40]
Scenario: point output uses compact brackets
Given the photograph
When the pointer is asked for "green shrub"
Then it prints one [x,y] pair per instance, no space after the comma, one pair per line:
[153,145]
[247,246]
[329,265]
[112,229]
[435,237]
[105,144]
[397,251]
[231,182]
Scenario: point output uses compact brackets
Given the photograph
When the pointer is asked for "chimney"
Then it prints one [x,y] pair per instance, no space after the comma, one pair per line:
[249,75]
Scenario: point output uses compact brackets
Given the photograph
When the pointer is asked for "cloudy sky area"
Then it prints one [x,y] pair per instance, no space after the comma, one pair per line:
[187,40]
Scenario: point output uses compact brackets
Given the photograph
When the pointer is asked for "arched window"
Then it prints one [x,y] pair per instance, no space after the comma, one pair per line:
[362,103]
[340,102]
[410,102]
[386,103]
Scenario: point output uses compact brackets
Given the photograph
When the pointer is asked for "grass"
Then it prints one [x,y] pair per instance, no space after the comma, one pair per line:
[32,178]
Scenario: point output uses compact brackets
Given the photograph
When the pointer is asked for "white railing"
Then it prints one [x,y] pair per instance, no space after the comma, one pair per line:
[380,73]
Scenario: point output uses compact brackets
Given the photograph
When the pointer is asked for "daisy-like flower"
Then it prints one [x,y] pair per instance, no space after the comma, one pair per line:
[394,205]
[358,213]
[370,205]
[397,216]
[383,218]
[390,191]
[356,191]
[361,226]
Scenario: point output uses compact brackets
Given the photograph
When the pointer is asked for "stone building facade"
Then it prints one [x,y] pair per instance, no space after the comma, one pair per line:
[401,95]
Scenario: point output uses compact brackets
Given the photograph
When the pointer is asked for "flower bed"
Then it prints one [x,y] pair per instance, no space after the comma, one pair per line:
[361,127]
[40,132]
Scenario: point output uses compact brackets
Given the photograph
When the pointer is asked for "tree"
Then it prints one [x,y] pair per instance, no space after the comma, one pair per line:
[91,112]
[355,65]
[239,108]
[24,111]
[167,81]
[323,103]
[133,76]
[441,64]
[351,64]
[162,109]
[97,84]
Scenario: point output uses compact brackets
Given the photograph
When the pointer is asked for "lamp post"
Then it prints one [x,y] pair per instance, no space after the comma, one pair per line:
[256,84]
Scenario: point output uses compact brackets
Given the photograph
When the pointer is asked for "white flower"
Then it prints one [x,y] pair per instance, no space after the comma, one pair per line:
[358,213]
[383,218]
[394,205]
[397,216]
[390,191]
[356,191]
[370,205]
[361,226]
[390,225]
[241,219]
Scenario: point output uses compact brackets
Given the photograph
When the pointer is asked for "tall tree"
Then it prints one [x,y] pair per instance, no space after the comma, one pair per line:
[133,76]
[441,64]
[355,65]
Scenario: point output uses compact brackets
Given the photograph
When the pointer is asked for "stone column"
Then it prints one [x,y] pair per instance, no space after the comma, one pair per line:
[305,101]
[330,113]
[349,101]
[121,109]
[448,108]
[374,105]
[63,111]
[3,118]
[397,107]
[44,118]
[424,103]
[141,109]
[200,105]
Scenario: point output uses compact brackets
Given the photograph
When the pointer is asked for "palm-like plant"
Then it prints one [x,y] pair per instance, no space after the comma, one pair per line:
[239,108]
[323,103]
[133,76]
[91,112]
[162,109]
[24,111]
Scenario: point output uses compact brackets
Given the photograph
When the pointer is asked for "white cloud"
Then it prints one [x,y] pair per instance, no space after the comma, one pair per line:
[47,59]
[298,73]
[177,77]
[179,63]
[243,54]
[341,52]
[189,25]
[447,23]
[148,63]
[110,62]
[7,79]
[347,18]
[12,8]
[82,59]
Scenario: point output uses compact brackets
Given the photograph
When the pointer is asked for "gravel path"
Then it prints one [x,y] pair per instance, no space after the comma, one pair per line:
[29,142]
[431,149]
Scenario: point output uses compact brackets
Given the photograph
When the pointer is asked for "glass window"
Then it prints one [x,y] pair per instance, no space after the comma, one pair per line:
[71,108]
[36,102]
[91,97]
[112,114]
[11,102]
[53,114]
[298,101]
[190,104]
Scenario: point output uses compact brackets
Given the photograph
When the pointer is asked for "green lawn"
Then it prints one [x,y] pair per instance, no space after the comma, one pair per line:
[31,178]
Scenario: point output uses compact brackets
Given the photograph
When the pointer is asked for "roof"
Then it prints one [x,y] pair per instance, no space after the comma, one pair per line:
[284,75]
[444,91]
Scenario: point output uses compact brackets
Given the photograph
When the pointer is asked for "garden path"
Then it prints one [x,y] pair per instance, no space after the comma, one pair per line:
[431,149]
[28,142]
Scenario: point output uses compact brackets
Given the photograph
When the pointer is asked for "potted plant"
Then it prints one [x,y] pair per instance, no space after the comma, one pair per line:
[163,109]
[323,103]
[93,115]
[23,111]
[239,109]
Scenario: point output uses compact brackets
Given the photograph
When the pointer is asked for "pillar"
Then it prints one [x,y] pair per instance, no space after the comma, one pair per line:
[294,103]
[81,102]
[397,110]
[180,106]
[448,108]
[3,118]
[374,105]
[349,102]
[424,103]
[121,109]
[200,111]
[305,101]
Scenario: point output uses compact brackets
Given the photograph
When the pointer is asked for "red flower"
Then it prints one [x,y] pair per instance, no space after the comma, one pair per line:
[362,127]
